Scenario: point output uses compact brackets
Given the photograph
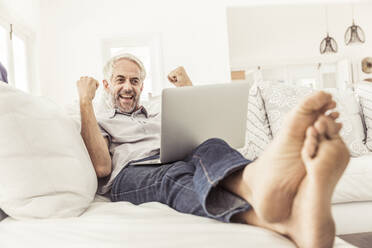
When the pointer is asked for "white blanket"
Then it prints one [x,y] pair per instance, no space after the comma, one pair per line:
[122,224]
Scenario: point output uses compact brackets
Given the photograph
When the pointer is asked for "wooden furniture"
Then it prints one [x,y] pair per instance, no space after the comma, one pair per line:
[361,240]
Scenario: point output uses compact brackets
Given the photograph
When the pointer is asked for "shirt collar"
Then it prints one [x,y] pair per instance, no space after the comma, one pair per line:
[142,110]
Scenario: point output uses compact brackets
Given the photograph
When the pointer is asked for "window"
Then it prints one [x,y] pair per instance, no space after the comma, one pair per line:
[20,63]
[148,49]
[14,55]
[3,46]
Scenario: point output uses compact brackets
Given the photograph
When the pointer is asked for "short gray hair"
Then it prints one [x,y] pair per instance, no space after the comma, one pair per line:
[109,67]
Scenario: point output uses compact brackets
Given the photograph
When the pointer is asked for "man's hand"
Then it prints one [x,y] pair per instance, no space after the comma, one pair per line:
[87,87]
[179,77]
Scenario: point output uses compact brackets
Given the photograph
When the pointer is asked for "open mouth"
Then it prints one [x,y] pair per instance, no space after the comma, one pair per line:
[126,98]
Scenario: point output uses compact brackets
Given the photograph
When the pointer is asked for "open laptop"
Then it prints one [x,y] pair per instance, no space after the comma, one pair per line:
[191,115]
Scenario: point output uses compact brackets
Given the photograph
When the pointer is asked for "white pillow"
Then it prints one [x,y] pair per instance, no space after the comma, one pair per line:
[45,169]
[258,134]
[352,130]
[280,98]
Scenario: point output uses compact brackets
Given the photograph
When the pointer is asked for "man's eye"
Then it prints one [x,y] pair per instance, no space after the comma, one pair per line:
[135,81]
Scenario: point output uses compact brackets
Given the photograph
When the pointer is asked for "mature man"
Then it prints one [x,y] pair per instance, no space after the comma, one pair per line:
[287,190]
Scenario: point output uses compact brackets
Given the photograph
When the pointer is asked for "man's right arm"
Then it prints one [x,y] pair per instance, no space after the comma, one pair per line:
[96,144]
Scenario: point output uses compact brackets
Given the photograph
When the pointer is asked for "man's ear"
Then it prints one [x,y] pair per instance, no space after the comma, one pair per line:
[106,85]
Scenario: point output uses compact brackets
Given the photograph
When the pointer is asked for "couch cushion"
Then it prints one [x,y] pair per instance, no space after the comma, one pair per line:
[280,98]
[356,183]
[258,134]
[364,92]
[45,170]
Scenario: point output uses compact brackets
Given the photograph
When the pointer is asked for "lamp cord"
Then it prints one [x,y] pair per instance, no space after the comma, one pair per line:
[326,17]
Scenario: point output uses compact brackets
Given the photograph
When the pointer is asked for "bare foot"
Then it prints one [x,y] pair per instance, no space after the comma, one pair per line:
[276,175]
[325,157]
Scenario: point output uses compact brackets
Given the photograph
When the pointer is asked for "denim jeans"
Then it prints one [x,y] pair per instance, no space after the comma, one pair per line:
[188,186]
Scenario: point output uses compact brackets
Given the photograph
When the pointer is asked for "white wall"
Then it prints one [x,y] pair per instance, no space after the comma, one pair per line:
[24,12]
[287,33]
[67,44]
[194,34]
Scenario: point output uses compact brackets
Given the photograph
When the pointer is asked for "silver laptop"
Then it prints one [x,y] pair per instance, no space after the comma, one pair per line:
[191,115]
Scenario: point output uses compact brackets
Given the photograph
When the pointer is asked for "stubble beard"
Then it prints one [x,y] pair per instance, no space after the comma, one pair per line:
[117,102]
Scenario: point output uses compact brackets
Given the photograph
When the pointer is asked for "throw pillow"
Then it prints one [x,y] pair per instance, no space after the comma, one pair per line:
[280,98]
[45,169]
[364,91]
[258,134]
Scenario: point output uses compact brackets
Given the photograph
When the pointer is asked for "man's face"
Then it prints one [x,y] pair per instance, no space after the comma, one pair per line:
[126,85]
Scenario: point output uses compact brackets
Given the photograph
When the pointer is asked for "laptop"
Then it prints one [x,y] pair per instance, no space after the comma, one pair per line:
[192,115]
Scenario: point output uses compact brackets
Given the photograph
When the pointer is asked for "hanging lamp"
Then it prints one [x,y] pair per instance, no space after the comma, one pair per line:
[354,34]
[328,44]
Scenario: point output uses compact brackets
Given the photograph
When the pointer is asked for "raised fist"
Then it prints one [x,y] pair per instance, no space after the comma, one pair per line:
[179,77]
[87,87]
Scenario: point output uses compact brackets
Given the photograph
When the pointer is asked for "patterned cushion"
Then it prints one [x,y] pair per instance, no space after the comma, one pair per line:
[279,98]
[258,133]
[364,92]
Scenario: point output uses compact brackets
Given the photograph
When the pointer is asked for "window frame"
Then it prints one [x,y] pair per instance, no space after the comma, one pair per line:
[12,27]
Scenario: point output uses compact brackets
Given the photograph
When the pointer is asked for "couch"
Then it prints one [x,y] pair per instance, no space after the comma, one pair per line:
[62,210]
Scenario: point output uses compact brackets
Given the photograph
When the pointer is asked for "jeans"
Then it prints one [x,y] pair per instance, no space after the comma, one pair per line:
[188,186]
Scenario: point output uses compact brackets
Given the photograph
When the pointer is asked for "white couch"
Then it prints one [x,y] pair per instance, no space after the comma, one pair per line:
[121,224]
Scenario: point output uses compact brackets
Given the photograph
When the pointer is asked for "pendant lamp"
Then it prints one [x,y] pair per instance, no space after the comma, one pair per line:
[328,44]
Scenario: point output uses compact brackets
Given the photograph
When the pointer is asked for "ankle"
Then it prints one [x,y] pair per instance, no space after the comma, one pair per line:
[235,183]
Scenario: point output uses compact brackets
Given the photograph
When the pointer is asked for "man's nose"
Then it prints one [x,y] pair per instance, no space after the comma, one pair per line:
[127,85]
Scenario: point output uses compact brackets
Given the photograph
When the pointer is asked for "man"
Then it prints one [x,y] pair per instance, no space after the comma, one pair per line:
[287,190]
[3,74]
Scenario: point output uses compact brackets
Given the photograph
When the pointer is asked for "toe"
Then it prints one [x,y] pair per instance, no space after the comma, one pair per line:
[325,125]
[318,101]
[334,115]
[331,105]
[311,144]
[334,129]
[321,125]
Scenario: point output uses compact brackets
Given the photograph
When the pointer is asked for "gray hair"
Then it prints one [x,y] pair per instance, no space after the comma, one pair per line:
[109,67]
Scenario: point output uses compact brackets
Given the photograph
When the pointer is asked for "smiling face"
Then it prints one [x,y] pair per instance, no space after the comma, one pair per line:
[126,85]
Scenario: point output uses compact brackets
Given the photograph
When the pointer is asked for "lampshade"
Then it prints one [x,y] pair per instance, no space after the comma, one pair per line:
[354,34]
[328,45]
